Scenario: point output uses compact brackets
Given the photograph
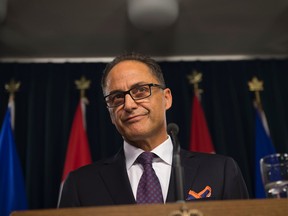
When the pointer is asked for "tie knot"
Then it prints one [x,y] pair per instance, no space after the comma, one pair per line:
[146,158]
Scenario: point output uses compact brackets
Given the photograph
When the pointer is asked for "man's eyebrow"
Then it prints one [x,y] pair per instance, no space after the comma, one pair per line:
[115,91]
[132,86]
[138,84]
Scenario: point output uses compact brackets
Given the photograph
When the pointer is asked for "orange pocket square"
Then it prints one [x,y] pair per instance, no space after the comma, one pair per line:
[206,192]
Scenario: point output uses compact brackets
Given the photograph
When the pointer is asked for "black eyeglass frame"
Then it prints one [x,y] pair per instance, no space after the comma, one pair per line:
[124,93]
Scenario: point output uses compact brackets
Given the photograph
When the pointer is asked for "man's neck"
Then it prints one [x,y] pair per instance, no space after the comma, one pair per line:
[148,144]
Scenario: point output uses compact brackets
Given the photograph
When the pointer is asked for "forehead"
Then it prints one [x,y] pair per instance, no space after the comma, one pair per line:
[127,73]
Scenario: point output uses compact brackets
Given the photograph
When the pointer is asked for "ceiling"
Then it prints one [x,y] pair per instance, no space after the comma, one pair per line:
[95,28]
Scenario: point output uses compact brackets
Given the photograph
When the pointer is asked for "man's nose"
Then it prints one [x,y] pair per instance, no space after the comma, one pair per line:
[129,102]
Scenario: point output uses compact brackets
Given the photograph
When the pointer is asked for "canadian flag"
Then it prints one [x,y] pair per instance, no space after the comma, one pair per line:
[200,139]
[78,151]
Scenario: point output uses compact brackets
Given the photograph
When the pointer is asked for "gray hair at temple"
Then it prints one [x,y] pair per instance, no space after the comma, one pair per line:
[151,63]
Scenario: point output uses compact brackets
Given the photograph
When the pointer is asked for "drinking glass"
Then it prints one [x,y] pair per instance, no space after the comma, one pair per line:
[274,172]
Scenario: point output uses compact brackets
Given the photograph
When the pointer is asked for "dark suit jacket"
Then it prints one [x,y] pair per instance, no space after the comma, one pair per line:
[106,182]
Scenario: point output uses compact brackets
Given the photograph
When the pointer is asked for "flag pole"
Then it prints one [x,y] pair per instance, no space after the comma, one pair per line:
[12,87]
[78,152]
[194,79]
[82,140]
[200,138]
[82,85]
[263,142]
[256,86]
[12,188]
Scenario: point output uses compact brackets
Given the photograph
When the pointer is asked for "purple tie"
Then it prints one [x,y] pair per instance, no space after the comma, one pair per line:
[149,188]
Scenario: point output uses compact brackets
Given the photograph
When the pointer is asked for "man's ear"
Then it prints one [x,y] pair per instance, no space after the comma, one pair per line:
[168,98]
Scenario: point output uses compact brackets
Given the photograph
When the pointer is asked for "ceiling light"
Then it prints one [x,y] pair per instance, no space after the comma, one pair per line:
[152,14]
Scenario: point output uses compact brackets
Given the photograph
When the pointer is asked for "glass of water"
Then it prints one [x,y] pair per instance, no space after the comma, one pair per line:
[274,171]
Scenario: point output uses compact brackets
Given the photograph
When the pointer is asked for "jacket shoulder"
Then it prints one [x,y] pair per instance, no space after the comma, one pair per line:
[204,156]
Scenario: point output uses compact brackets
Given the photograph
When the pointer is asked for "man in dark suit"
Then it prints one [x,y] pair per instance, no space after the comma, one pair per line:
[137,99]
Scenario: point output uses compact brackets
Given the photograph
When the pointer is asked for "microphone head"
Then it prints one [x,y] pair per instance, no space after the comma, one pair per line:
[172,128]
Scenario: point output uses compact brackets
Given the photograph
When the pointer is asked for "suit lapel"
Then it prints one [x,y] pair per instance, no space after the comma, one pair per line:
[190,168]
[115,176]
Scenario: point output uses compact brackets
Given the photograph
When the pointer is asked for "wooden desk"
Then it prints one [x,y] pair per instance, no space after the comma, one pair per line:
[255,207]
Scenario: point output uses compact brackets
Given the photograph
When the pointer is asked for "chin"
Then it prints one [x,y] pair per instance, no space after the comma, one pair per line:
[135,134]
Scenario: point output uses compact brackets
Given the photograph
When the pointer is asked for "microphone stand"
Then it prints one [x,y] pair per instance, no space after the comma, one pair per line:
[177,167]
[178,171]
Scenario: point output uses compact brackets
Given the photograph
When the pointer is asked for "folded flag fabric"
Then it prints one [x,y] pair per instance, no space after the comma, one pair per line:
[78,151]
[263,147]
[200,140]
[12,187]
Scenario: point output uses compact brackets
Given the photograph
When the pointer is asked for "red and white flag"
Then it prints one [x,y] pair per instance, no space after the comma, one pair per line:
[200,139]
[78,151]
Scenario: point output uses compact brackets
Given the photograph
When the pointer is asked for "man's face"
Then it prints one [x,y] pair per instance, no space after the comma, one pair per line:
[143,119]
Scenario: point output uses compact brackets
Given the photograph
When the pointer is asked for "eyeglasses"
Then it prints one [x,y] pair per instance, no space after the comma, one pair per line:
[137,93]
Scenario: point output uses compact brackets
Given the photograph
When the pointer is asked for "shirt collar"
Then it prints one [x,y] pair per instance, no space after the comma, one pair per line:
[163,151]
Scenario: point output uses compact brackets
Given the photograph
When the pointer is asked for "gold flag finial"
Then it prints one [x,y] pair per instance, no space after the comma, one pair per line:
[195,78]
[256,85]
[12,87]
[82,84]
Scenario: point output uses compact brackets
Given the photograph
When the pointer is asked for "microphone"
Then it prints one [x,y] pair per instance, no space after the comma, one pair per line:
[173,130]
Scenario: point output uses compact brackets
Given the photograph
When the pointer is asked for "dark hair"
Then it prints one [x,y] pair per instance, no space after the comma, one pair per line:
[151,63]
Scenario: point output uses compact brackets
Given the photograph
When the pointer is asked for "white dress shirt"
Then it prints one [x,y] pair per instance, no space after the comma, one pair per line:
[161,165]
